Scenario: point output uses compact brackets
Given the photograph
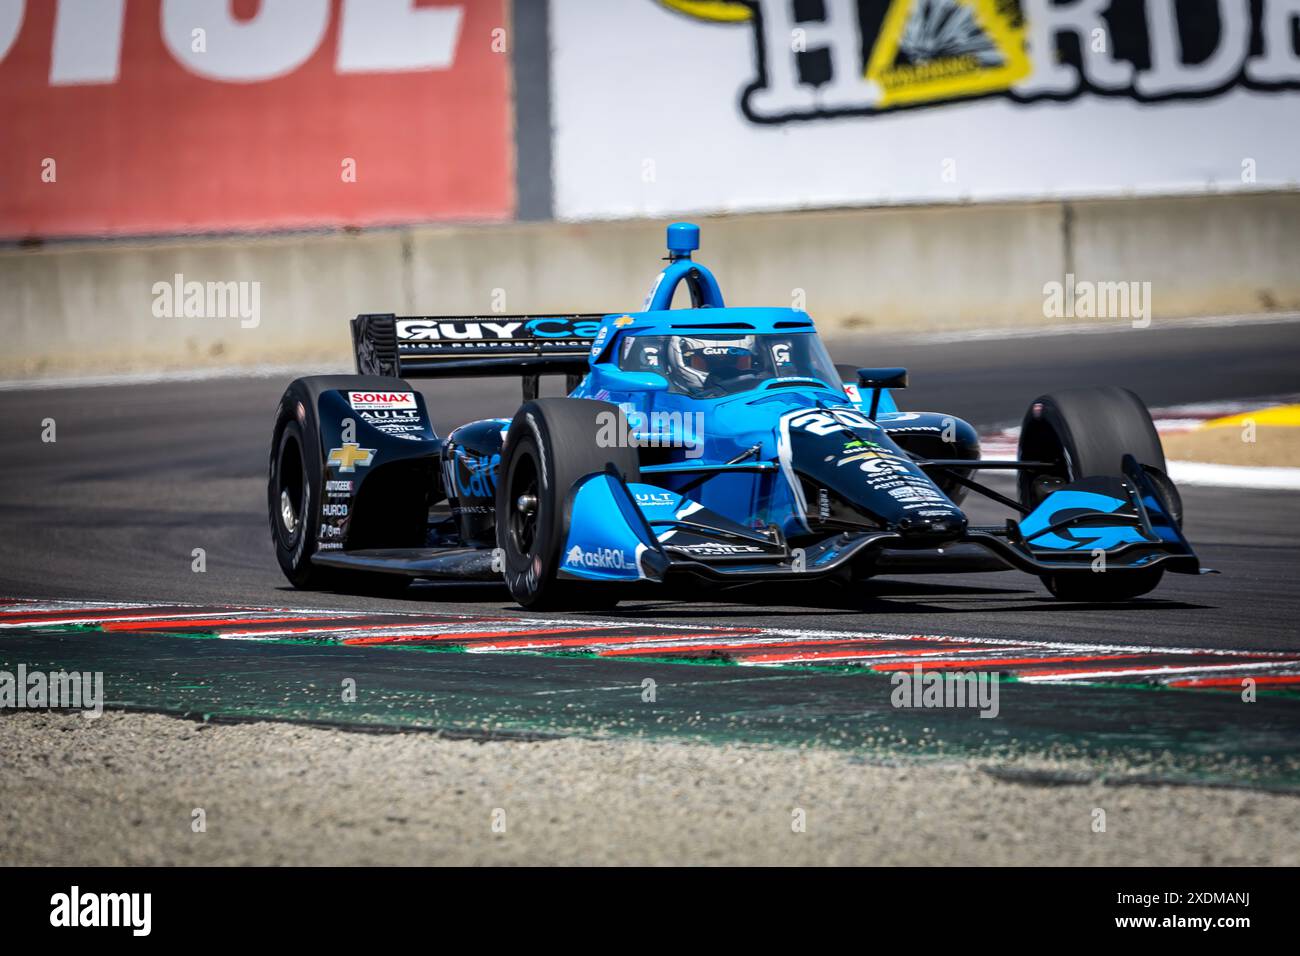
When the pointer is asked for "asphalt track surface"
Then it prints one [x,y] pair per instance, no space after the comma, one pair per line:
[141,475]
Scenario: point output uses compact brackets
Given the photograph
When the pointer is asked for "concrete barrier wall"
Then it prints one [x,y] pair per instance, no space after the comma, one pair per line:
[82,308]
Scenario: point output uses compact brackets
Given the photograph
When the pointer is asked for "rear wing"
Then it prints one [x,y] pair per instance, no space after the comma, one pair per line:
[460,346]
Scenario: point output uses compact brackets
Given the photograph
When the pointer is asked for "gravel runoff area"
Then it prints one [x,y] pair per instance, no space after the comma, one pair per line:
[123,789]
[1272,447]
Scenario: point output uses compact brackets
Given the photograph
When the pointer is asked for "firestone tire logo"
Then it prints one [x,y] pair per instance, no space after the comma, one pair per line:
[862,58]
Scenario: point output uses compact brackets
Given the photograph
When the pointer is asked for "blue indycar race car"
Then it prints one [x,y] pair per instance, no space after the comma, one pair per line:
[708,444]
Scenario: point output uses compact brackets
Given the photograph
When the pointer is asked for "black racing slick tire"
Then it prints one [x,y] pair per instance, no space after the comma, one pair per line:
[551,443]
[296,485]
[1087,432]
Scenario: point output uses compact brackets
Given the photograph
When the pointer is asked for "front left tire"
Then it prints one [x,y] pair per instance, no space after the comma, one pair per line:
[551,443]
[1088,432]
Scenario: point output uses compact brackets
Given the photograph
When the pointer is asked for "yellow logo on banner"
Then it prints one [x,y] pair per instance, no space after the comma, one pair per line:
[925,51]
[719,11]
[940,49]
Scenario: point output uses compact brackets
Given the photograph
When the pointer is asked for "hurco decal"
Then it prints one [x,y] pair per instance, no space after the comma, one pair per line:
[861,57]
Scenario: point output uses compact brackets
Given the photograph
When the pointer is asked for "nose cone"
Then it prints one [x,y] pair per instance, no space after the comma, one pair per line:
[930,530]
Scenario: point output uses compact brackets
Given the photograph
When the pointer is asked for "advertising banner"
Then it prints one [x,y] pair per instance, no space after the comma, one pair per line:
[130,117]
[675,106]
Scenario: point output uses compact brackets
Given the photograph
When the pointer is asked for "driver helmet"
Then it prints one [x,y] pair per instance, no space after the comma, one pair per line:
[694,360]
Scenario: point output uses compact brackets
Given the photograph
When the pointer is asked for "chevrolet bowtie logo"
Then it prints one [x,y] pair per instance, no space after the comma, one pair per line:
[350,456]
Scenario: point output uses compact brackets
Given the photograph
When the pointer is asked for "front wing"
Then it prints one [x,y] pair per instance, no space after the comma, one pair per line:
[642,532]
[622,532]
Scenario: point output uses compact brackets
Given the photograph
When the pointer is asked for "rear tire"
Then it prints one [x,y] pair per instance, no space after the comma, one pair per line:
[550,445]
[1087,432]
[296,484]
[294,489]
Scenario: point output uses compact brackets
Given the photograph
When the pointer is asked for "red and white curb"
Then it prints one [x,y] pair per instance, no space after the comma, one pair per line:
[1029,661]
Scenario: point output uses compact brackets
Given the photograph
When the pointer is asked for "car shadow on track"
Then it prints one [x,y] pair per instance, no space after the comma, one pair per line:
[876,596]
[772,606]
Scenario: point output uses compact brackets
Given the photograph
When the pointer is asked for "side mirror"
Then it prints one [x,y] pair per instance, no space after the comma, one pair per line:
[878,379]
[882,377]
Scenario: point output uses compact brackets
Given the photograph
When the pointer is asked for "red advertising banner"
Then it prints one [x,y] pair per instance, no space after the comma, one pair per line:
[130,117]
